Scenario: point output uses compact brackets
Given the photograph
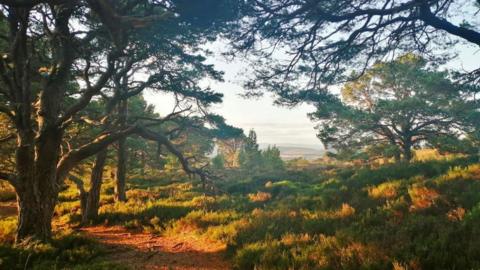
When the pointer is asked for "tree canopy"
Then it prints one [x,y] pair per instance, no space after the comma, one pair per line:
[302,47]
[61,57]
[398,104]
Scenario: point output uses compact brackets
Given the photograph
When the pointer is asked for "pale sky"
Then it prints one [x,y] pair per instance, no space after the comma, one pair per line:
[274,124]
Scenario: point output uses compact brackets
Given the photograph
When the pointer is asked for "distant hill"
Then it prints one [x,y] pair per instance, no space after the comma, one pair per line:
[291,151]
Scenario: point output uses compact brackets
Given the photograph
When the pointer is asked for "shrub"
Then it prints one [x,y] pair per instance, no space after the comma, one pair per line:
[387,190]
[260,196]
[68,252]
[422,197]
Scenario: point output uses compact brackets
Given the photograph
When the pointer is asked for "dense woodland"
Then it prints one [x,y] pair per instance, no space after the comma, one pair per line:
[92,176]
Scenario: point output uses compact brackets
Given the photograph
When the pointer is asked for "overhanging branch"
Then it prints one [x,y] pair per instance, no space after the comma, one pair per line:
[90,92]
[429,18]
[72,158]
[161,139]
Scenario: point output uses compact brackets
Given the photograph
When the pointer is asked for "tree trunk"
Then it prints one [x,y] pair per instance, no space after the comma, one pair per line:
[143,164]
[83,205]
[397,157]
[35,216]
[38,190]
[120,191]
[92,204]
[407,152]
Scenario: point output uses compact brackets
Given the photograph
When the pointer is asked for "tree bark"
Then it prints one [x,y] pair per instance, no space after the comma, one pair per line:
[397,157]
[38,149]
[122,156]
[40,117]
[120,190]
[439,23]
[39,185]
[92,204]
[35,215]
[407,152]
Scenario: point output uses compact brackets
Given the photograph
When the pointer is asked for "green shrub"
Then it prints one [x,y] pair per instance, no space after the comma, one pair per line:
[69,252]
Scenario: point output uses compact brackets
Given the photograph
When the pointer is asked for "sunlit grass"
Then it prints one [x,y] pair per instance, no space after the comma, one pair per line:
[8,227]
[7,193]
[387,190]
[351,218]
[471,172]
[64,252]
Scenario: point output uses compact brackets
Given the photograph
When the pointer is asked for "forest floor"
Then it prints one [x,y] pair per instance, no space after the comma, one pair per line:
[339,217]
[140,250]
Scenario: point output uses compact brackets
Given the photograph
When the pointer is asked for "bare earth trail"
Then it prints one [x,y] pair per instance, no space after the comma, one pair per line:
[147,251]
[140,250]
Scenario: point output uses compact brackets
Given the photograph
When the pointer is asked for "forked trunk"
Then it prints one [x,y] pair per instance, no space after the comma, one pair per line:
[38,188]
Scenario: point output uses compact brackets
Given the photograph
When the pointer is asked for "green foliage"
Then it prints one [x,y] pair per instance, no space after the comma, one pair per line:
[271,160]
[363,219]
[254,161]
[69,252]
[250,156]
[218,162]
[394,107]
[137,213]
[455,145]
[327,42]
[421,215]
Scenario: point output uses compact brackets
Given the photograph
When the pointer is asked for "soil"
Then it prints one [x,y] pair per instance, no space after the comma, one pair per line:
[140,250]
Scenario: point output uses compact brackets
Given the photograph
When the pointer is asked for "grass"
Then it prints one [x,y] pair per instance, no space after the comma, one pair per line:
[7,192]
[8,226]
[66,252]
[422,215]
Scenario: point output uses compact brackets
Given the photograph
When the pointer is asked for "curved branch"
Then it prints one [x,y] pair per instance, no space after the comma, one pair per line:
[118,24]
[161,139]
[72,158]
[429,18]
[85,99]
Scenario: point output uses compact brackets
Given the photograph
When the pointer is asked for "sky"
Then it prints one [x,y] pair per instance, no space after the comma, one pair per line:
[273,124]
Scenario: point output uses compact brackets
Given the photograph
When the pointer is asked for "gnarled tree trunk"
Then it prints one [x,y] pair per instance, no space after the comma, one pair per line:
[35,214]
[38,185]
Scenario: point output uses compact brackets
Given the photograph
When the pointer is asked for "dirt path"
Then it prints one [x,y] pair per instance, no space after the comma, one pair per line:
[146,251]
[150,252]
